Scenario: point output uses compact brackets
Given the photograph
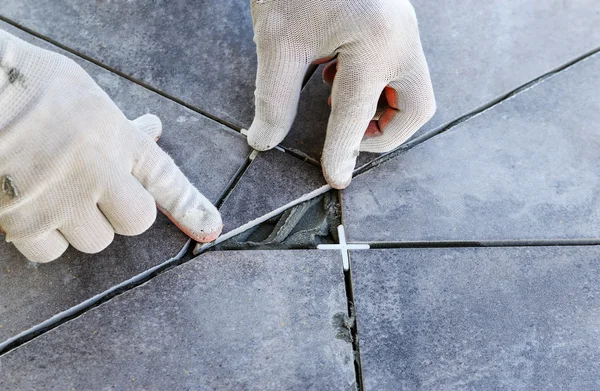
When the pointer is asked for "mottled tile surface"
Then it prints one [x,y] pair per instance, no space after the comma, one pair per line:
[200,52]
[207,152]
[272,180]
[261,320]
[479,319]
[528,168]
[477,51]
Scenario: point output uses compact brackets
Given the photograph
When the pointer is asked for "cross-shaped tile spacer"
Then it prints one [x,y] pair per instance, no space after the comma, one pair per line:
[343,246]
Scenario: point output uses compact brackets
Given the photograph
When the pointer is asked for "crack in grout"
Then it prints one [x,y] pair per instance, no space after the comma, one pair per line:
[124,75]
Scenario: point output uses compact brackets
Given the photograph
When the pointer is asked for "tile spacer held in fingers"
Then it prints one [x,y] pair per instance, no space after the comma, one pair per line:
[343,247]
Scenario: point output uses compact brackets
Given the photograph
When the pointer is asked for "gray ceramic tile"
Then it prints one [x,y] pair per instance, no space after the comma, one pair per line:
[528,168]
[202,53]
[479,319]
[255,320]
[272,180]
[477,51]
[208,153]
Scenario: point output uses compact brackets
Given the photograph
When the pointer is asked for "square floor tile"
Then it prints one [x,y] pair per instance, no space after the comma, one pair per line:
[260,320]
[479,318]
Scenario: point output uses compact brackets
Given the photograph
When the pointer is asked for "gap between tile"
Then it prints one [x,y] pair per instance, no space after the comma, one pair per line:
[483,243]
[234,181]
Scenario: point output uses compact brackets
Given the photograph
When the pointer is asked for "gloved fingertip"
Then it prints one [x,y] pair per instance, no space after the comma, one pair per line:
[337,180]
[150,125]
[202,224]
[261,139]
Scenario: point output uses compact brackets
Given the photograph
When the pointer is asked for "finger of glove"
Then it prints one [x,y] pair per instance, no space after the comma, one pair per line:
[150,125]
[175,195]
[414,106]
[354,97]
[128,206]
[42,248]
[278,85]
[91,235]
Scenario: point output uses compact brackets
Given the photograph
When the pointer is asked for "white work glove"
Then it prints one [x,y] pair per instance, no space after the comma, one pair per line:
[74,169]
[376,44]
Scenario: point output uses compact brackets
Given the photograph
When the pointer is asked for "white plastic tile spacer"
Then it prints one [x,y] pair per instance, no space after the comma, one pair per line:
[343,247]
[244,132]
[253,154]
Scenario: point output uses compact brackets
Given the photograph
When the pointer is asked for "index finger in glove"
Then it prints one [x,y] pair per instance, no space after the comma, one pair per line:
[174,194]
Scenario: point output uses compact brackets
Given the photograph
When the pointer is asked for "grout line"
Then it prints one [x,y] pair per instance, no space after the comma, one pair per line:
[480,110]
[200,248]
[121,74]
[300,155]
[235,180]
[81,308]
[349,284]
[352,312]
[485,243]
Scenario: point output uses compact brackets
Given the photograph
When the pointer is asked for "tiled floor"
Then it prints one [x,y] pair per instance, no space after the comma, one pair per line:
[485,238]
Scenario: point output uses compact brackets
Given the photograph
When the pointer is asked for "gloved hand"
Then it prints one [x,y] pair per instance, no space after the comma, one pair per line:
[74,169]
[376,44]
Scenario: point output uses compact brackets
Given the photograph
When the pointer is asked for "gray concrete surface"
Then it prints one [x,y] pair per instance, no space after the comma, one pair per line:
[199,52]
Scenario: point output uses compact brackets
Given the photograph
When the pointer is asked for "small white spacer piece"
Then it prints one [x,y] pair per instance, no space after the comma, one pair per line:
[244,132]
[343,247]
[253,154]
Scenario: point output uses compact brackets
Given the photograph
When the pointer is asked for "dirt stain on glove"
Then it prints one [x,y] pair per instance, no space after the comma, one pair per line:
[8,187]
[14,75]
